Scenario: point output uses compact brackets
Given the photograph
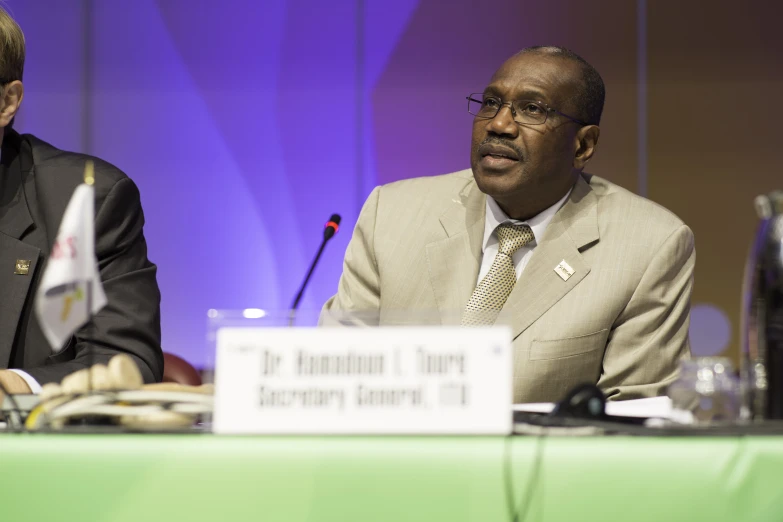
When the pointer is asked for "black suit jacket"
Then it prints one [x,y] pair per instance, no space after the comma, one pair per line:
[36,183]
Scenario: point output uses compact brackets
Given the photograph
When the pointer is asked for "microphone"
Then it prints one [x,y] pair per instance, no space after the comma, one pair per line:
[331,228]
[329,231]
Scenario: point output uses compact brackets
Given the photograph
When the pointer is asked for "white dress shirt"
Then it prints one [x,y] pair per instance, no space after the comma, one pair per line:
[495,217]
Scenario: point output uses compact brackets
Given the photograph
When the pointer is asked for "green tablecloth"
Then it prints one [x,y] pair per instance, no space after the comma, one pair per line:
[139,478]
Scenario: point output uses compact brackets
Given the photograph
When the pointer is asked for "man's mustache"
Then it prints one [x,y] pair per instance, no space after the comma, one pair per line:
[505,143]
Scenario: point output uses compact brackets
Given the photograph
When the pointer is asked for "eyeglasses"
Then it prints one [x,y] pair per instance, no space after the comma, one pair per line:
[525,112]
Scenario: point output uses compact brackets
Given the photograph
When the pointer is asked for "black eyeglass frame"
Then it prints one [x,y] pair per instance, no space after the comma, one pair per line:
[546,108]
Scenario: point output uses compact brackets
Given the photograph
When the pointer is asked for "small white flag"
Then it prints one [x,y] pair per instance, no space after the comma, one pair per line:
[71,291]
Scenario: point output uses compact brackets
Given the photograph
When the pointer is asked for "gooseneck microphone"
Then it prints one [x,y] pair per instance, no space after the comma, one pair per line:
[329,231]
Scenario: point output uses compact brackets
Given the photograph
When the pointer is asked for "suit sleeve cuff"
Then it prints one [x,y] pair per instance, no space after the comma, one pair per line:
[32,383]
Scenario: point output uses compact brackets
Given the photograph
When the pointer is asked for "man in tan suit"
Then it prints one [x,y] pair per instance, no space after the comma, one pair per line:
[594,280]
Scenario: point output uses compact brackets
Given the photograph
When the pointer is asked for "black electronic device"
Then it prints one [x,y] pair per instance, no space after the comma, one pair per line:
[585,401]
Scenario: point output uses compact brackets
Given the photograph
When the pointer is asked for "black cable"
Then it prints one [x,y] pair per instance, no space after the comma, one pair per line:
[508,479]
[518,512]
[533,482]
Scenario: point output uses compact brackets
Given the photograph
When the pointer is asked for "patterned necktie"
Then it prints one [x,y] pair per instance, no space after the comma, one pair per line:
[491,293]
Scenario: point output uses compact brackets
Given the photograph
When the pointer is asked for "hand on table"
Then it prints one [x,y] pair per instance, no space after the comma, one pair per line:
[12,383]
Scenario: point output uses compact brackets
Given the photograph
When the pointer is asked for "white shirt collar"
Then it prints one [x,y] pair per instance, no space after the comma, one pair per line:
[538,223]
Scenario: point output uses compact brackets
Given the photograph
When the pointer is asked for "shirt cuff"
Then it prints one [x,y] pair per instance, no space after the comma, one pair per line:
[32,383]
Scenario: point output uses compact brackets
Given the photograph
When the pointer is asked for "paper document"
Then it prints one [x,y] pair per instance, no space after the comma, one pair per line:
[658,407]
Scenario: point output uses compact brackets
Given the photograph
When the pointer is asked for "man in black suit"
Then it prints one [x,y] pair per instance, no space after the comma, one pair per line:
[36,183]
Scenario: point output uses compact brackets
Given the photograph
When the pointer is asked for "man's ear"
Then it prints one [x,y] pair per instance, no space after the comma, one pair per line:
[12,95]
[586,142]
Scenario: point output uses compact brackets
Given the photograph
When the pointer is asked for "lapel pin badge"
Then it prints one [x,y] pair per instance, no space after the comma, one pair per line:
[564,270]
[22,267]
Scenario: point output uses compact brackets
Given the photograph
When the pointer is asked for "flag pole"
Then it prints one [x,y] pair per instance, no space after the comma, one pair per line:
[89,179]
[89,173]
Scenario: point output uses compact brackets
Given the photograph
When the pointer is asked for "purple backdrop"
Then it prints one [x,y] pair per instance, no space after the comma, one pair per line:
[247,123]
[244,124]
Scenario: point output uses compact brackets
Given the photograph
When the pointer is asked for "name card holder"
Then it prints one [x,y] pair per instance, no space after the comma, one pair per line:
[386,380]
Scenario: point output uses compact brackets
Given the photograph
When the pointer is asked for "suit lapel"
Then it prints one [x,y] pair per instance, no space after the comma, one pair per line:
[573,229]
[15,221]
[15,288]
[454,261]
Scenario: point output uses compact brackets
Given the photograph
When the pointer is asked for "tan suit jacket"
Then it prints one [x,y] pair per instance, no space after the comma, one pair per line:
[621,320]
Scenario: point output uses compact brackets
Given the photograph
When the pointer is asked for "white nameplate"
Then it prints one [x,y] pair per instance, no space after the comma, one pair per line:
[388,380]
